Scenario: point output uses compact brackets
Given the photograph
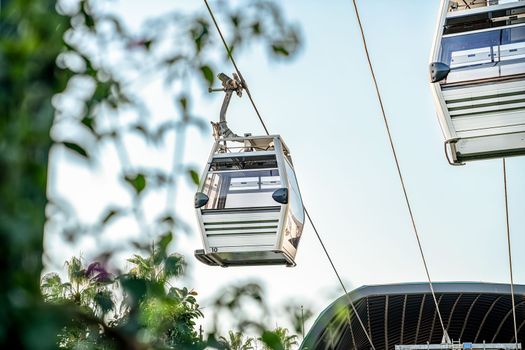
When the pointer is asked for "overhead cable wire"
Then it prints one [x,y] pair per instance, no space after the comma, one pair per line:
[349,298]
[509,246]
[230,56]
[387,126]
[354,309]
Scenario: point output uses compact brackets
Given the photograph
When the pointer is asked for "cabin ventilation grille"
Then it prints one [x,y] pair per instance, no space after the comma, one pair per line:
[484,110]
[241,230]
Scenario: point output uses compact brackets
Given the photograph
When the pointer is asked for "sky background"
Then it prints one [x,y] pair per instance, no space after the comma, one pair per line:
[324,106]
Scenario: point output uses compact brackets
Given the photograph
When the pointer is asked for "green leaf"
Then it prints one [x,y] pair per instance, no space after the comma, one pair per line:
[279,50]
[214,343]
[104,301]
[141,129]
[207,73]
[256,28]
[110,214]
[168,219]
[89,21]
[235,21]
[174,265]
[102,91]
[174,59]
[138,182]
[89,122]
[272,340]
[155,289]
[147,43]
[51,279]
[77,149]
[75,271]
[183,102]
[136,288]
[194,177]
[165,240]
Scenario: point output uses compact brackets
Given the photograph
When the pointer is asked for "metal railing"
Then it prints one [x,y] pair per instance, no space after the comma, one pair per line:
[459,5]
[459,346]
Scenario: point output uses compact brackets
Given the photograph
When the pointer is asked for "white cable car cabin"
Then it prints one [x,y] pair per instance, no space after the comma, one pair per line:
[248,204]
[478,78]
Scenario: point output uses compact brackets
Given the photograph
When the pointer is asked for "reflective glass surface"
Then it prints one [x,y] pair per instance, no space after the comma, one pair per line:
[295,222]
[484,49]
[241,189]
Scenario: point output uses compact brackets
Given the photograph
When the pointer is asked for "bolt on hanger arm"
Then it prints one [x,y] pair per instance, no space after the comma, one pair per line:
[229,85]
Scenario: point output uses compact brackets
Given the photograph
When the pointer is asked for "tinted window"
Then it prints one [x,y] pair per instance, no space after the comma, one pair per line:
[489,47]
[469,49]
[513,35]
[295,195]
[241,189]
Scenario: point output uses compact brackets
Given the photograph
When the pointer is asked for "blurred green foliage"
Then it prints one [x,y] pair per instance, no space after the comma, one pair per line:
[140,304]
[144,309]
[31,36]
[56,76]
[278,339]
[237,341]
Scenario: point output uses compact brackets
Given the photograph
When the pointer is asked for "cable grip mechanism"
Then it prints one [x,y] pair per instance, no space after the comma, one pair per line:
[229,86]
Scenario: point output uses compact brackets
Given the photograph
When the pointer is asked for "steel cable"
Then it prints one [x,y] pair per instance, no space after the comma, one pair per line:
[509,245]
[387,126]
[354,309]
[230,56]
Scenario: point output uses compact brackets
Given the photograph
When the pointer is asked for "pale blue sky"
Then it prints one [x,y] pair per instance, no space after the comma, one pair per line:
[324,106]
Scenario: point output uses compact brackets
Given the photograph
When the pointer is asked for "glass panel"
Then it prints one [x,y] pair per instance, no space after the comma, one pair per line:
[295,196]
[469,49]
[244,183]
[512,44]
[241,189]
[493,47]
[295,220]
[270,182]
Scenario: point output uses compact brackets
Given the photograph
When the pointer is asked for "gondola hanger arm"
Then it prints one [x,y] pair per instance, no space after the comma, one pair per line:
[229,86]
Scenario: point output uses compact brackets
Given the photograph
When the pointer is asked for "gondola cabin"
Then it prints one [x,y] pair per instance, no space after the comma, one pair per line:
[249,205]
[477,73]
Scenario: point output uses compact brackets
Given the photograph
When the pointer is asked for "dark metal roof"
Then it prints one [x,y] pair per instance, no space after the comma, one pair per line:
[405,314]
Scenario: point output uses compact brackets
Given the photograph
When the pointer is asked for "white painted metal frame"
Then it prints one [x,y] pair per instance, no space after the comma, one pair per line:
[444,119]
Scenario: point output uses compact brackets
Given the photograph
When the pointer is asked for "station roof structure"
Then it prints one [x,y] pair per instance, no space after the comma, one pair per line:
[399,314]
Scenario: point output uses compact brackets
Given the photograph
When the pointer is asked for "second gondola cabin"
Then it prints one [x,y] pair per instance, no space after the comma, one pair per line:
[478,78]
[248,204]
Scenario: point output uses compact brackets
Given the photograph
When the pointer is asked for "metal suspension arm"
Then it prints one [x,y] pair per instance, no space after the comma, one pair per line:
[220,129]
